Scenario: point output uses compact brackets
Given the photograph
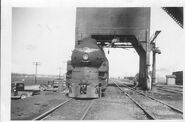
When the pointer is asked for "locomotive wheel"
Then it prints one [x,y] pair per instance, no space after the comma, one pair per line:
[148,83]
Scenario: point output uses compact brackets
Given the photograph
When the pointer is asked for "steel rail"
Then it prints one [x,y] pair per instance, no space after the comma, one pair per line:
[85,113]
[149,115]
[170,106]
[170,90]
[44,115]
[178,86]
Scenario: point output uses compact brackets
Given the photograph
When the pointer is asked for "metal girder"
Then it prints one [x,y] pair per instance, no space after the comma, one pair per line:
[108,41]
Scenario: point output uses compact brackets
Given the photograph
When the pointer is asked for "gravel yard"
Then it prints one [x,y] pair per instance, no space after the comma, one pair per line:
[171,98]
[158,110]
[113,106]
[30,107]
[73,110]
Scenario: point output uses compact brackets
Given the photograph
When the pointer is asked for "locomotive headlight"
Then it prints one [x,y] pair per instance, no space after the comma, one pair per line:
[85,56]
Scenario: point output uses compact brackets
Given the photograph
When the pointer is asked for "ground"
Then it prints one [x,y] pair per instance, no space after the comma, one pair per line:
[28,108]
[113,106]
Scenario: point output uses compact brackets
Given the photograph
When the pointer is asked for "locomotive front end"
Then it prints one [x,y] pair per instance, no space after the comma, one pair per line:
[84,74]
[84,83]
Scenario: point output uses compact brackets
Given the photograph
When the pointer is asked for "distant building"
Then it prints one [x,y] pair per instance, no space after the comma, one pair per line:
[179,77]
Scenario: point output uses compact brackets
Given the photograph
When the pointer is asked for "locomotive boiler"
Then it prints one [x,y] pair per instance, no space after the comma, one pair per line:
[87,71]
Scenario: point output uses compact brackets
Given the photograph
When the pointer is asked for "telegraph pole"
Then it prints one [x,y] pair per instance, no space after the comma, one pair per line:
[36,64]
[59,72]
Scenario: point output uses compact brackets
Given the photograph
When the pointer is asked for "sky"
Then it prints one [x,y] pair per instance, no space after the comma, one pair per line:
[47,35]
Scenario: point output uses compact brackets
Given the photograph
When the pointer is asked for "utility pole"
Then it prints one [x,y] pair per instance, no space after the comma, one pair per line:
[59,72]
[36,64]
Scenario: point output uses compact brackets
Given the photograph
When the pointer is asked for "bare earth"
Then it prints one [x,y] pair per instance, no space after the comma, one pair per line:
[29,108]
[113,106]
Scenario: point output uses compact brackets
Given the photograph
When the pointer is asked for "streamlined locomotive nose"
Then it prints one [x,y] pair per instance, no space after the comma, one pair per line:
[87,53]
[85,68]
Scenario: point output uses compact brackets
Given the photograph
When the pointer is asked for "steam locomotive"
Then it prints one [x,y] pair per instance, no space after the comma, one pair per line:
[87,71]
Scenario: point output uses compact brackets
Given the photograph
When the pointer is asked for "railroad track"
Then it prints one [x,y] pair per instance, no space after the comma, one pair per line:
[153,108]
[58,112]
[44,115]
[174,86]
[87,110]
[170,106]
[170,90]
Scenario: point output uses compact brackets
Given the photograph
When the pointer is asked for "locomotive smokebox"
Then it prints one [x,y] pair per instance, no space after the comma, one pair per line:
[87,53]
